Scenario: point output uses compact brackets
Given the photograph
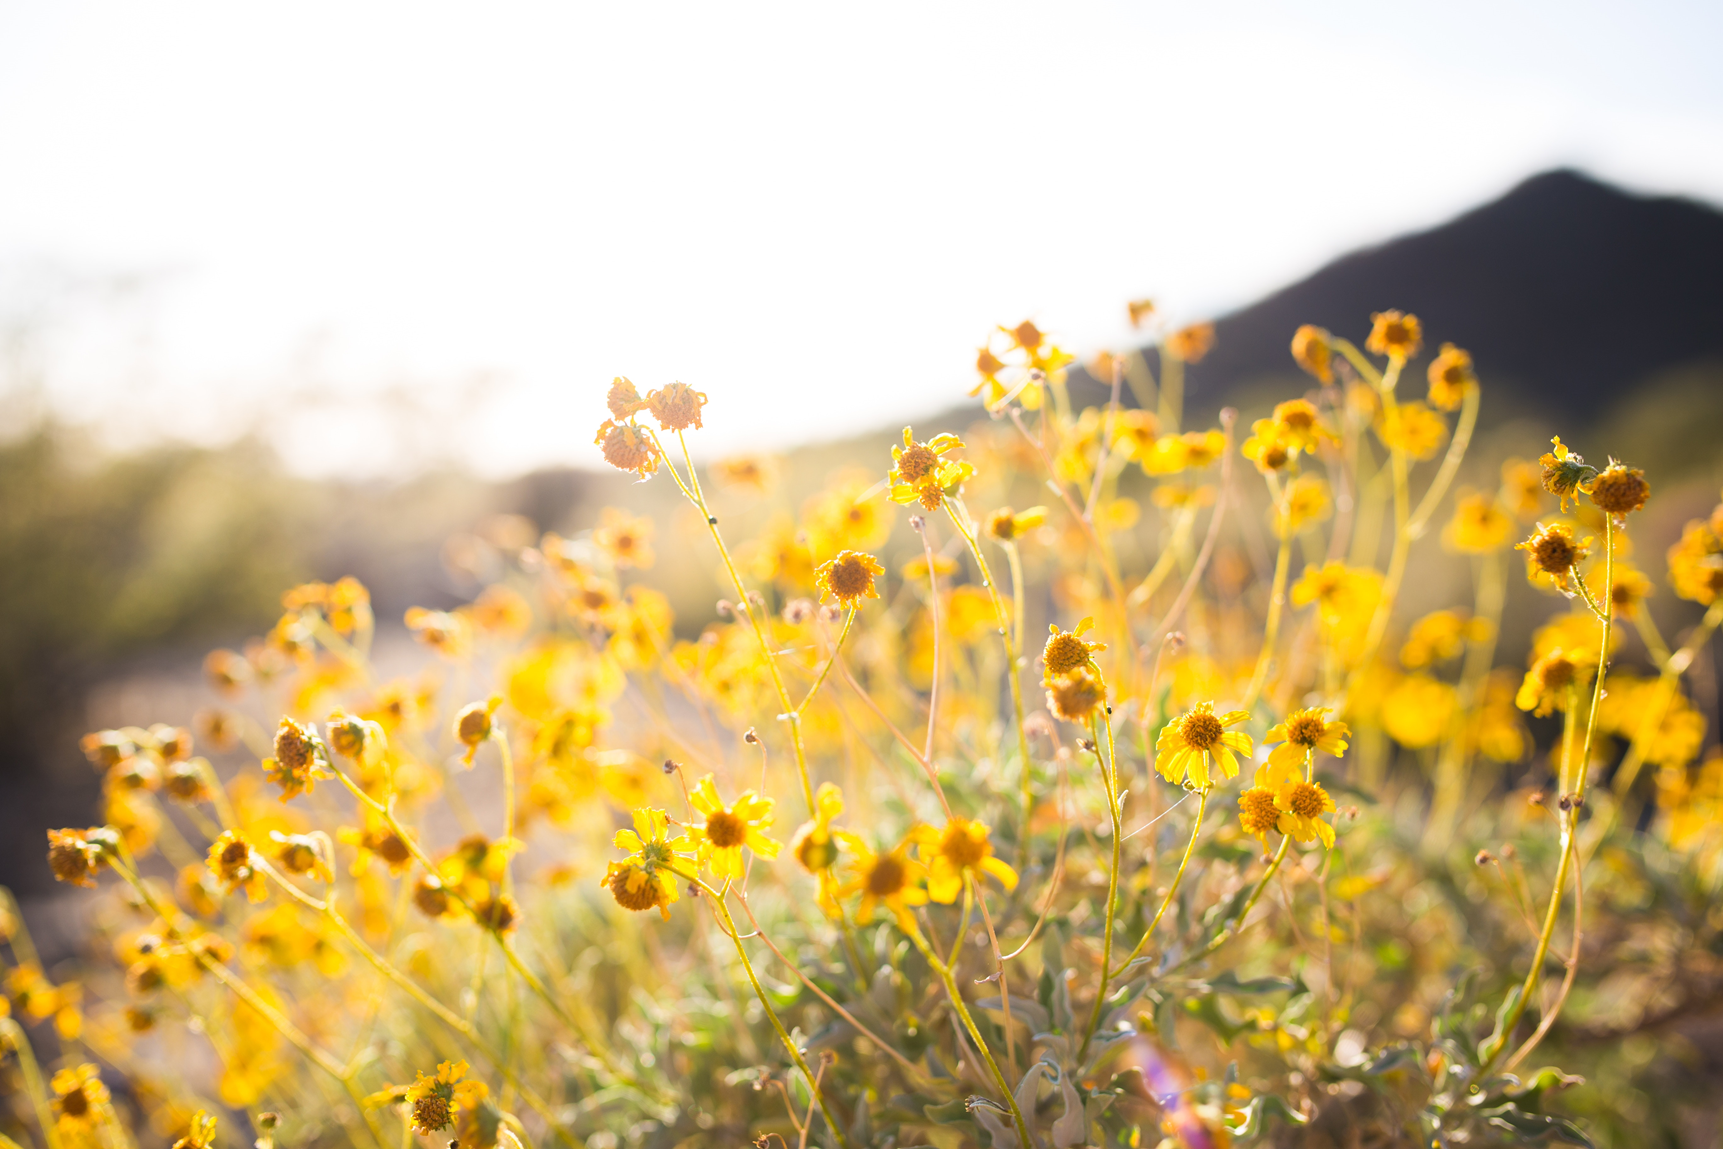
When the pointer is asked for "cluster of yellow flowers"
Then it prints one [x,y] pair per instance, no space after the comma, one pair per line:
[945,820]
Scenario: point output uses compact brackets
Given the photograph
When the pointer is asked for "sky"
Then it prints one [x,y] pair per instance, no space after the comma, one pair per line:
[389,235]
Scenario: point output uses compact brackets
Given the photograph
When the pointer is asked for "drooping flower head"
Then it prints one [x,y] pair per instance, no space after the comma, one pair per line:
[892,879]
[729,828]
[236,867]
[76,855]
[676,407]
[1565,474]
[1076,696]
[849,577]
[1619,490]
[435,1102]
[300,760]
[1198,739]
[645,879]
[1303,733]
[628,447]
[960,849]
[623,399]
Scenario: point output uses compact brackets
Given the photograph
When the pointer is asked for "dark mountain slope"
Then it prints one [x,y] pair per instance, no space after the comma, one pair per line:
[1565,290]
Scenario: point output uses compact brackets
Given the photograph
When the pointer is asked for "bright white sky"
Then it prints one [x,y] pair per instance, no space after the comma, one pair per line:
[398,232]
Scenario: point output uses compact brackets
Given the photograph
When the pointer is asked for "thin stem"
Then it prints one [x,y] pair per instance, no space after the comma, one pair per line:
[933,617]
[15,1039]
[1110,777]
[1172,890]
[849,620]
[998,972]
[1227,417]
[729,926]
[1276,602]
[1450,463]
[1232,928]
[956,997]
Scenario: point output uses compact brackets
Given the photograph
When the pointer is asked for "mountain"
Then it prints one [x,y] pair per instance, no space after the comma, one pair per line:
[1565,290]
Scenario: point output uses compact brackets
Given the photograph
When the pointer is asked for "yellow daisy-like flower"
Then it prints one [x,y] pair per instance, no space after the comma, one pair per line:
[300,759]
[1552,553]
[79,1095]
[1565,474]
[961,848]
[920,472]
[729,828]
[1479,525]
[1451,376]
[1067,651]
[1547,683]
[436,1101]
[892,879]
[1257,812]
[644,879]
[1304,732]
[849,578]
[1395,335]
[1301,804]
[1189,743]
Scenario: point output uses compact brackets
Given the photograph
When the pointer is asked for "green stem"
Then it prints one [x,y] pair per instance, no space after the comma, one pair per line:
[15,1038]
[1110,778]
[1172,890]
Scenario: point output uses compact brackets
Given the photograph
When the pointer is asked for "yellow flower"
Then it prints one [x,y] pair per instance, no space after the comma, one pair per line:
[1522,488]
[1618,490]
[1307,502]
[1628,590]
[1394,334]
[1451,376]
[79,1095]
[232,862]
[813,845]
[1191,343]
[1413,429]
[1006,525]
[1304,732]
[960,849]
[1416,710]
[201,1133]
[892,879]
[436,1101]
[749,472]
[1552,678]
[1265,447]
[645,878]
[1479,525]
[1344,595]
[1067,651]
[624,538]
[302,854]
[676,407]
[1312,351]
[846,517]
[1189,744]
[1301,805]
[920,472]
[1437,637]
[1257,812]
[76,855]
[1696,562]
[848,578]
[623,399]
[729,828]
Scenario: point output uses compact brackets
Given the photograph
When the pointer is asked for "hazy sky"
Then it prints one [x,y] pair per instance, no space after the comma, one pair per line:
[397,231]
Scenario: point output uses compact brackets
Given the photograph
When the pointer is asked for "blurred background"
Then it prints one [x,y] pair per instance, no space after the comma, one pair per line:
[304,291]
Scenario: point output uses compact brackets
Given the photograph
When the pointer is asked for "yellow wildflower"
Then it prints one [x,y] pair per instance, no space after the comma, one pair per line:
[1552,552]
[1304,732]
[201,1134]
[729,828]
[234,864]
[628,447]
[1395,335]
[624,538]
[1075,697]
[1619,490]
[79,1095]
[1551,680]
[1451,376]
[300,759]
[848,578]
[1006,525]
[920,472]
[1067,651]
[1312,351]
[1565,474]
[676,407]
[1479,525]
[813,844]
[1189,744]
[959,850]
[1412,428]
[892,879]
[645,879]
[1191,343]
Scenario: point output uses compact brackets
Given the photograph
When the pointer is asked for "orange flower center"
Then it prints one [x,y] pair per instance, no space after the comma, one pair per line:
[633,888]
[724,829]
[886,877]
[75,1104]
[916,463]
[850,578]
[1256,810]
[1307,800]
[1554,553]
[1200,730]
[1305,729]
[964,844]
[1064,653]
[432,1112]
